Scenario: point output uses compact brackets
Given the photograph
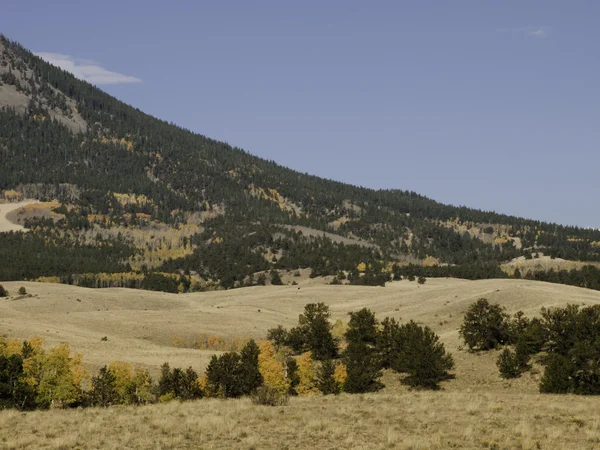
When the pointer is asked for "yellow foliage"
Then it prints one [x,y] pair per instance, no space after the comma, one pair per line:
[10,346]
[361,267]
[59,377]
[339,329]
[274,196]
[48,279]
[431,261]
[123,373]
[133,385]
[272,370]
[340,374]
[202,382]
[217,343]
[307,374]
[132,199]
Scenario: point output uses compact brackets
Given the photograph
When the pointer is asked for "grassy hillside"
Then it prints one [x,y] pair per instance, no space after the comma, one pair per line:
[142,327]
[135,194]
[477,409]
[373,421]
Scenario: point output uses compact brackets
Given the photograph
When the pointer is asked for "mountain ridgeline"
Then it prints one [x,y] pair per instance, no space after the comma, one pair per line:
[130,200]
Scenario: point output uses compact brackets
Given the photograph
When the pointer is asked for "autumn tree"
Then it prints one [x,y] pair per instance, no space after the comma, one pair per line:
[57,376]
[272,369]
[134,386]
[307,375]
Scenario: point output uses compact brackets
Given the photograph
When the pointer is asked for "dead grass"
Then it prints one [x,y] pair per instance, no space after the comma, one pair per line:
[140,326]
[412,420]
[544,263]
[475,410]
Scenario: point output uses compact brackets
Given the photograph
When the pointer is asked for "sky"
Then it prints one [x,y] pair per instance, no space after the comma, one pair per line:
[488,104]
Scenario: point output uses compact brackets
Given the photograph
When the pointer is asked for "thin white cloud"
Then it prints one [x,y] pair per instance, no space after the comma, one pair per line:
[535,32]
[87,70]
[539,33]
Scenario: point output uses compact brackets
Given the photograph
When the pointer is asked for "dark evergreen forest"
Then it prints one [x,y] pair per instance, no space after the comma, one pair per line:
[251,205]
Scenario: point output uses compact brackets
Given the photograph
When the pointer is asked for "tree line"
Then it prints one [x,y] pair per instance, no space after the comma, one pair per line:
[564,340]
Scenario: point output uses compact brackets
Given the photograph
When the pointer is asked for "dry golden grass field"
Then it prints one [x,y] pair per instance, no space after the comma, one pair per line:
[475,410]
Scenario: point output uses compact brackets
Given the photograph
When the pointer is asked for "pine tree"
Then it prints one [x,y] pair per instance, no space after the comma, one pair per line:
[387,342]
[363,368]
[557,378]
[485,326]
[223,376]
[275,278]
[104,390]
[313,333]
[250,376]
[361,358]
[422,357]
[15,392]
[325,378]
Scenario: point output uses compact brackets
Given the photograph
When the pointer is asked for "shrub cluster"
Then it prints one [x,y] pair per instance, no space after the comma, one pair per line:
[371,346]
[568,339]
[306,360]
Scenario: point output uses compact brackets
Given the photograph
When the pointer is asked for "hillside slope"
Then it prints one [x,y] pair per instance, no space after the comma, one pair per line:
[137,194]
[141,327]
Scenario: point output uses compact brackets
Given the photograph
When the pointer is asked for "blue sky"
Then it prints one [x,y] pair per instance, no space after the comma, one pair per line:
[493,105]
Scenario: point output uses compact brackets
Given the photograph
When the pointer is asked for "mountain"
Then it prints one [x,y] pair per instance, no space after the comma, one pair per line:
[130,200]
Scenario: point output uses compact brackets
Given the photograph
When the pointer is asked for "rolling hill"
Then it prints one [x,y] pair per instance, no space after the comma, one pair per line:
[477,409]
[148,328]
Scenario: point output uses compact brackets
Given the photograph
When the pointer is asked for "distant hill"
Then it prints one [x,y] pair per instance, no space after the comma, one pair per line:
[130,200]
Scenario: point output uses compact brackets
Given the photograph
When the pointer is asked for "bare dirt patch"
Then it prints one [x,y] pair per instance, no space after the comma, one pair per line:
[9,220]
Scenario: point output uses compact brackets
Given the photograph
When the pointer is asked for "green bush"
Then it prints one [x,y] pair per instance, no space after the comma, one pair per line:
[557,376]
[486,326]
[421,356]
[573,344]
[508,364]
[3,292]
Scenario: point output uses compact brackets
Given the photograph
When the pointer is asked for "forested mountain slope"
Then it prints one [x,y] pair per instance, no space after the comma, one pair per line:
[129,200]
